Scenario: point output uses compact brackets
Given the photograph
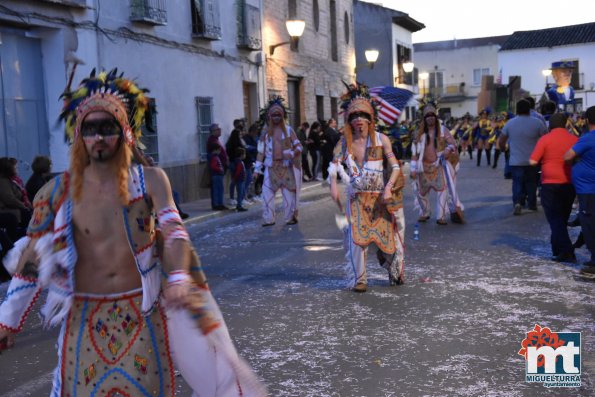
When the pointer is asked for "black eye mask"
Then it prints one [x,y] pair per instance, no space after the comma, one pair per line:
[100,127]
[356,115]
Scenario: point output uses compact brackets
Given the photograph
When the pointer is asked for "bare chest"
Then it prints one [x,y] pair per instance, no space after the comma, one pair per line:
[359,152]
[98,215]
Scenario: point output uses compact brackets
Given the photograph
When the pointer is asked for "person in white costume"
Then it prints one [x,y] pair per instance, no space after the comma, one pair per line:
[374,191]
[279,158]
[130,297]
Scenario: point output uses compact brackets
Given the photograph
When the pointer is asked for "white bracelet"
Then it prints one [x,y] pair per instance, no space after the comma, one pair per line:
[178,277]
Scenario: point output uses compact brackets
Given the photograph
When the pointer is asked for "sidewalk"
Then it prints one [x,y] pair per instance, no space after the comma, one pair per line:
[200,210]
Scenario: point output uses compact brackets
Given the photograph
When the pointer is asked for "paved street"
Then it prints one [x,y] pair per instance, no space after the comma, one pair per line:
[454,329]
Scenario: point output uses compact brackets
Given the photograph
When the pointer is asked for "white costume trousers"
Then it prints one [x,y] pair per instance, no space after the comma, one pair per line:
[357,255]
[268,198]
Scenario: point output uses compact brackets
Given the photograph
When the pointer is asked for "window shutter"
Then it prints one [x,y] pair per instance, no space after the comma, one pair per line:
[212,22]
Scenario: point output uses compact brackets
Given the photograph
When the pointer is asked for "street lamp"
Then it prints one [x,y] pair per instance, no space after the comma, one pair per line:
[371,57]
[546,73]
[407,68]
[423,76]
[295,28]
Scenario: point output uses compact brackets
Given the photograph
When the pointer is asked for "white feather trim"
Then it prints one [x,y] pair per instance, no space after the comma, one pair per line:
[11,260]
[47,261]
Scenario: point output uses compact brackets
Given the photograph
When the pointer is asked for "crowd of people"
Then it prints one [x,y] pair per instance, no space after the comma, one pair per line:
[147,273]
[237,157]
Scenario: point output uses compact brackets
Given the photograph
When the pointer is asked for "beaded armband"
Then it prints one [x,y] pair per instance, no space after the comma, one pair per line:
[171,225]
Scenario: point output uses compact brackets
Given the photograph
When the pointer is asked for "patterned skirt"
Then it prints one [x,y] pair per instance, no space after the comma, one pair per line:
[109,349]
[432,178]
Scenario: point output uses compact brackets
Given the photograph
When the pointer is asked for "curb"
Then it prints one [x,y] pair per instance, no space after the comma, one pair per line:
[222,213]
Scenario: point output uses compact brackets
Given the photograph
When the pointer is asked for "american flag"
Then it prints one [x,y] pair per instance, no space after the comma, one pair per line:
[392,102]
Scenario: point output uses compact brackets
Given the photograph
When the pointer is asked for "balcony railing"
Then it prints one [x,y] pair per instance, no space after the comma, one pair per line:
[445,91]
[148,11]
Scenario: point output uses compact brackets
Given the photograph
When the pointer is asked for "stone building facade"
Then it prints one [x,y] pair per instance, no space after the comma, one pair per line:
[310,76]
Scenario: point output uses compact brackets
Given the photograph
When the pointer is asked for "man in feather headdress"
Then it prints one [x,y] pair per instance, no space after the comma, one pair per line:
[374,207]
[131,298]
[434,166]
[279,158]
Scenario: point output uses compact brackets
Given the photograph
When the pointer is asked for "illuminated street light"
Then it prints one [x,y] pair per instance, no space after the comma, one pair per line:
[295,28]
[371,57]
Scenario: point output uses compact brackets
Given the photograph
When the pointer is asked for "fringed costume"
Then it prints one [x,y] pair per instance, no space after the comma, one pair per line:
[279,158]
[435,172]
[371,220]
[128,343]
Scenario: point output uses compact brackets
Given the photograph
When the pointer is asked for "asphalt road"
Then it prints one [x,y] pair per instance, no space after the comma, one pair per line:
[454,329]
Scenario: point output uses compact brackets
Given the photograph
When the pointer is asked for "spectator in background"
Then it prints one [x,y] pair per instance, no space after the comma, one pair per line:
[234,142]
[238,176]
[16,179]
[314,137]
[583,178]
[331,137]
[302,134]
[14,212]
[533,112]
[218,163]
[42,167]
[522,133]
[557,192]
[251,140]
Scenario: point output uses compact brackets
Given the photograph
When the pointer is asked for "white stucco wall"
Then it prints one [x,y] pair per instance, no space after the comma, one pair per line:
[174,74]
[528,63]
[402,37]
[457,65]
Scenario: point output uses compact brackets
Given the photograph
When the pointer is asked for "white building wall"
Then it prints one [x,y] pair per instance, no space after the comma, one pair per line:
[168,60]
[400,36]
[457,65]
[528,63]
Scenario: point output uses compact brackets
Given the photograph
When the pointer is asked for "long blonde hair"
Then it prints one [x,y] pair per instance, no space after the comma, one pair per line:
[79,160]
[348,133]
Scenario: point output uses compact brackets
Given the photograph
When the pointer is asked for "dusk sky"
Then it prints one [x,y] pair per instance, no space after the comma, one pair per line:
[463,19]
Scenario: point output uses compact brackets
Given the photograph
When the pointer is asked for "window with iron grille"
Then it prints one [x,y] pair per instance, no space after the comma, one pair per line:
[248,22]
[148,11]
[204,112]
[149,138]
[206,23]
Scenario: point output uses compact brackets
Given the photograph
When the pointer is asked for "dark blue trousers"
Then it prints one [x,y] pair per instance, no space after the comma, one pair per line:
[524,183]
[557,200]
[586,215]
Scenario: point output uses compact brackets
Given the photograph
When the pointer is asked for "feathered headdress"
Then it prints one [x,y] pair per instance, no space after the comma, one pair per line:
[358,99]
[428,104]
[274,101]
[110,93]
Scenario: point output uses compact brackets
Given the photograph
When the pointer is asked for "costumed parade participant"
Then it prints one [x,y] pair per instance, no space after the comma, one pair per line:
[562,93]
[130,297]
[463,132]
[498,125]
[374,205]
[279,159]
[484,131]
[434,166]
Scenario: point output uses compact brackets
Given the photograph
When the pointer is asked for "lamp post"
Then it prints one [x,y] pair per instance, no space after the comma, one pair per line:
[371,57]
[423,76]
[295,28]
[546,73]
